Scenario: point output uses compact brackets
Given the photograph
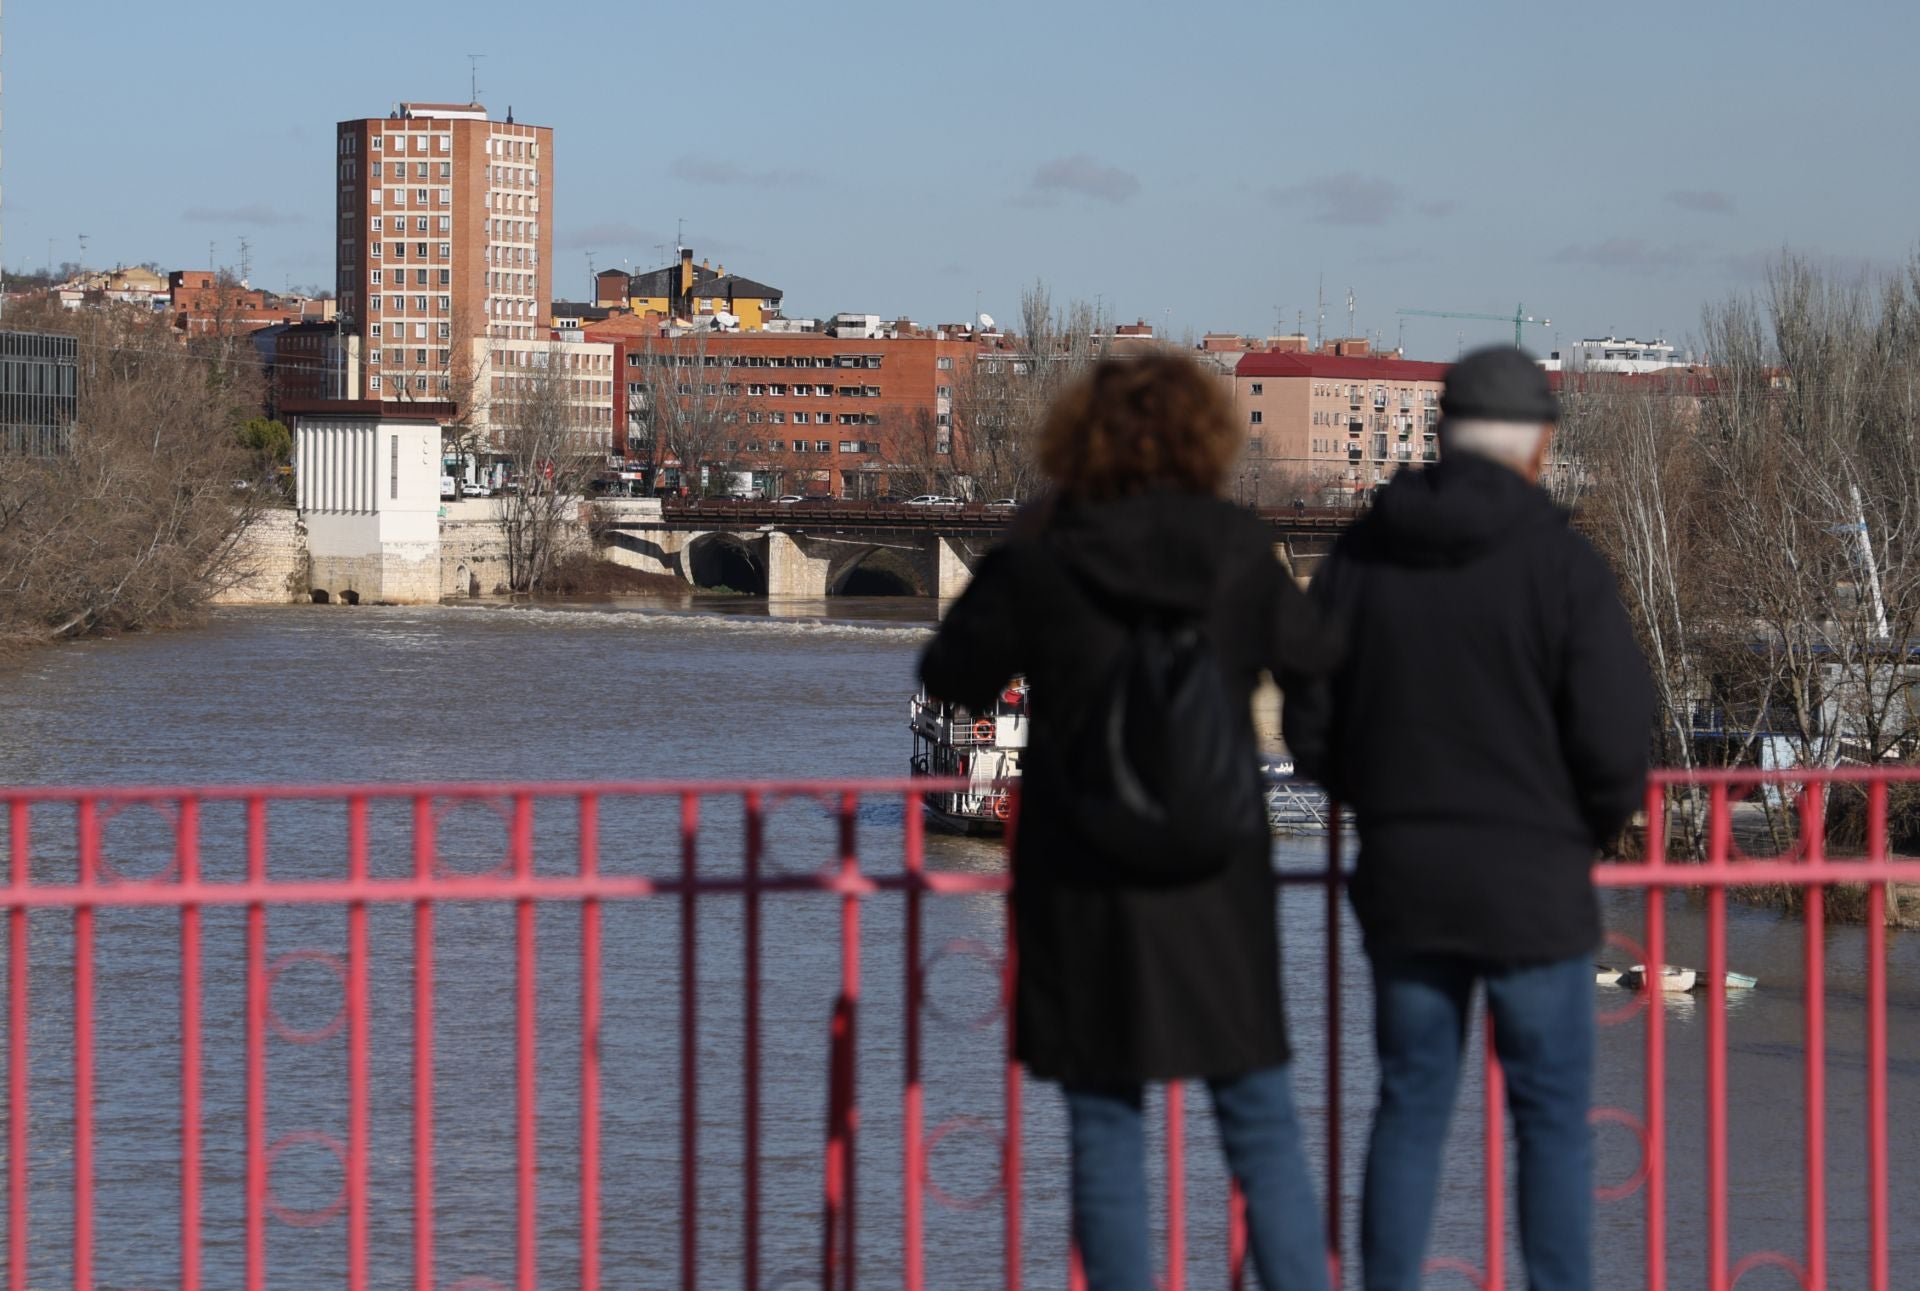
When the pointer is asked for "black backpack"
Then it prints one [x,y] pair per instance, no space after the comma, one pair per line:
[1163,777]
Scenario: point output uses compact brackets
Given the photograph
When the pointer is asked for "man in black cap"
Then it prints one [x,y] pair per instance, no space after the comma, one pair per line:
[1489,727]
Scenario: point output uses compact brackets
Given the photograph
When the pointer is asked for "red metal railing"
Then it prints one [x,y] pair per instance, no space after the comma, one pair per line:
[393,859]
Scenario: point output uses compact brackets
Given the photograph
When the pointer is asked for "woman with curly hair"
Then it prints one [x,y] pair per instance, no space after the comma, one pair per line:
[1168,967]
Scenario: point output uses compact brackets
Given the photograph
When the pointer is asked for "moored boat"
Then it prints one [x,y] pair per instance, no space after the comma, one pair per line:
[981,747]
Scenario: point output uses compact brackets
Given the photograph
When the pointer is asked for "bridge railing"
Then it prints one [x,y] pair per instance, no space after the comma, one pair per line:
[120,899]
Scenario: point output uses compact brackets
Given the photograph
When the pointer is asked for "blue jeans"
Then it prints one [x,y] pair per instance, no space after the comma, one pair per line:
[1543,1031]
[1261,1136]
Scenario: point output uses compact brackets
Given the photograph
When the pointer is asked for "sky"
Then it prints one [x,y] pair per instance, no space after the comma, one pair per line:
[1199,166]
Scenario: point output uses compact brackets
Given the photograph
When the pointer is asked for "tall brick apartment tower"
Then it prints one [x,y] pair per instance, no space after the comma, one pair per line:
[444,244]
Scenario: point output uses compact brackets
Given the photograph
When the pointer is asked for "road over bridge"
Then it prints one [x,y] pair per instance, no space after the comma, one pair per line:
[830,547]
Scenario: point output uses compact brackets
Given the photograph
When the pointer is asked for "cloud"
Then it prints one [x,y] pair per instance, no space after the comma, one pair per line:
[727,174]
[1345,198]
[610,235]
[256,213]
[1704,201]
[1437,209]
[1757,266]
[1078,176]
[1629,255]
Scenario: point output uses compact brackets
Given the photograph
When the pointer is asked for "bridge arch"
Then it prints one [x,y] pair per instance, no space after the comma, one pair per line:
[877,571]
[725,560]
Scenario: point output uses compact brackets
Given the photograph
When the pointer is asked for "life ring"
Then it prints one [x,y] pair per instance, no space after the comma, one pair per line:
[983,732]
[1001,807]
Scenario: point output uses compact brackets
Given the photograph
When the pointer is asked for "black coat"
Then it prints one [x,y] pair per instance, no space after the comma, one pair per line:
[1489,723]
[1119,982]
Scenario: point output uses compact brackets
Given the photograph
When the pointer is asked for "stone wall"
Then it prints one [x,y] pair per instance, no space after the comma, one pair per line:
[270,560]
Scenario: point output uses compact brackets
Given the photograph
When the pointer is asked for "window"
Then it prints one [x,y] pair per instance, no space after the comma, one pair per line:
[419,304]
[419,357]
[446,277]
[373,382]
[375,223]
[823,391]
[944,363]
[823,419]
[376,277]
[446,250]
[446,331]
[1257,387]
[799,445]
[1256,416]
[776,418]
[944,392]
[823,446]
[376,331]
[419,277]
[376,250]
[377,141]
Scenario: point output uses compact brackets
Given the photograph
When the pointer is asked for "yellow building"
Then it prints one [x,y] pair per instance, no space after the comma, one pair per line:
[689,291]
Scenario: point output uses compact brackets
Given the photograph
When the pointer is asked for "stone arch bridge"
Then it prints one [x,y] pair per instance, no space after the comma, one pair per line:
[821,549]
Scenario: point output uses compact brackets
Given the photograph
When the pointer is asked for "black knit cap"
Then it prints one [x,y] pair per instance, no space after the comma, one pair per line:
[1499,383]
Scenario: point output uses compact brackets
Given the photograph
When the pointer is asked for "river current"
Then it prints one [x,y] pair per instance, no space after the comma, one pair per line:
[722,689]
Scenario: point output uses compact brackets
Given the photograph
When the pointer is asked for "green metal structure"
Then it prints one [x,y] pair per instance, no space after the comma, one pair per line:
[1519,318]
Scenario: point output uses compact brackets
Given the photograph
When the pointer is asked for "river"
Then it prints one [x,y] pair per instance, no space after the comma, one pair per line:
[731,689]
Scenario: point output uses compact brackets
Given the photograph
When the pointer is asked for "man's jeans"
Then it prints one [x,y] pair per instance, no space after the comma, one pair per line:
[1543,1031]
[1261,1136]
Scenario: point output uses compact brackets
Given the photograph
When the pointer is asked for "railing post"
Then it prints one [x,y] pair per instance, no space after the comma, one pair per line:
[1719,832]
[424,851]
[689,1045]
[750,1047]
[1813,829]
[256,1043]
[187,852]
[912,1106]
[526,1057]
[1656,1060]
[89,824]
[359,1041]
[1877,1218]
[590,1048]
[19,1027]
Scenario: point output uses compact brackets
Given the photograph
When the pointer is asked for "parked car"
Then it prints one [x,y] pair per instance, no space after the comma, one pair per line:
[933,500]
[1008,503]
[788,499]
[472,490]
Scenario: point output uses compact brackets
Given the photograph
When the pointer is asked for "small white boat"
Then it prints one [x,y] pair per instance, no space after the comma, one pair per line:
[1672,978]
[1606,975]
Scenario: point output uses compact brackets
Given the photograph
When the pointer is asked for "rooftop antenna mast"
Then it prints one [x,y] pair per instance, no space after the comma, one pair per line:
[1320,312]
[83,251]
[473,77]
[1349,311]
[593,281]
[246,261]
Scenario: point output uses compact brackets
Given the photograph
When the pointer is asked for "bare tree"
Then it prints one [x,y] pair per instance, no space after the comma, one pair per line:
[551,452]
[1001,400]
[691,412]
[139,524]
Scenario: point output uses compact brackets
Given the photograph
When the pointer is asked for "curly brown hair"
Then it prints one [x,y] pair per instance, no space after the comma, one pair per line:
[1132,425]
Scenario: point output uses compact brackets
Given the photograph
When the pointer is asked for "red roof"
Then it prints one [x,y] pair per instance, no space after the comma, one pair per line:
[1342,367]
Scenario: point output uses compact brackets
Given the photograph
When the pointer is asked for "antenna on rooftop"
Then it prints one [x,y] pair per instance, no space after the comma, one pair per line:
[473,77]
[246,261]
[1320,312]
[83,250]
[1350,323]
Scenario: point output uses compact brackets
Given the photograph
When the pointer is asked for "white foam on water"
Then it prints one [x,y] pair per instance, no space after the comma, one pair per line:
[640,620]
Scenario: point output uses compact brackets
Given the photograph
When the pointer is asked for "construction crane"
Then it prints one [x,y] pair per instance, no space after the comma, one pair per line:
[1519,318]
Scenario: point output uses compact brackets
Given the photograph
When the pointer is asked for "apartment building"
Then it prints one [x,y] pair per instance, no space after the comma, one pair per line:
[690,291]
[444,245]
[1333,424]
[802,412]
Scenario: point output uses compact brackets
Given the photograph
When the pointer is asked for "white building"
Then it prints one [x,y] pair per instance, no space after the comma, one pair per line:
[367,481]
[1615,354]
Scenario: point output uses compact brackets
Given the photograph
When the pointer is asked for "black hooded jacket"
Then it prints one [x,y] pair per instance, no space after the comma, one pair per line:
[1119,982]
[1489,724]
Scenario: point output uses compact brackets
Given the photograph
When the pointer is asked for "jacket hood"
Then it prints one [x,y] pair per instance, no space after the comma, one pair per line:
[1158,551]
[1454,512]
